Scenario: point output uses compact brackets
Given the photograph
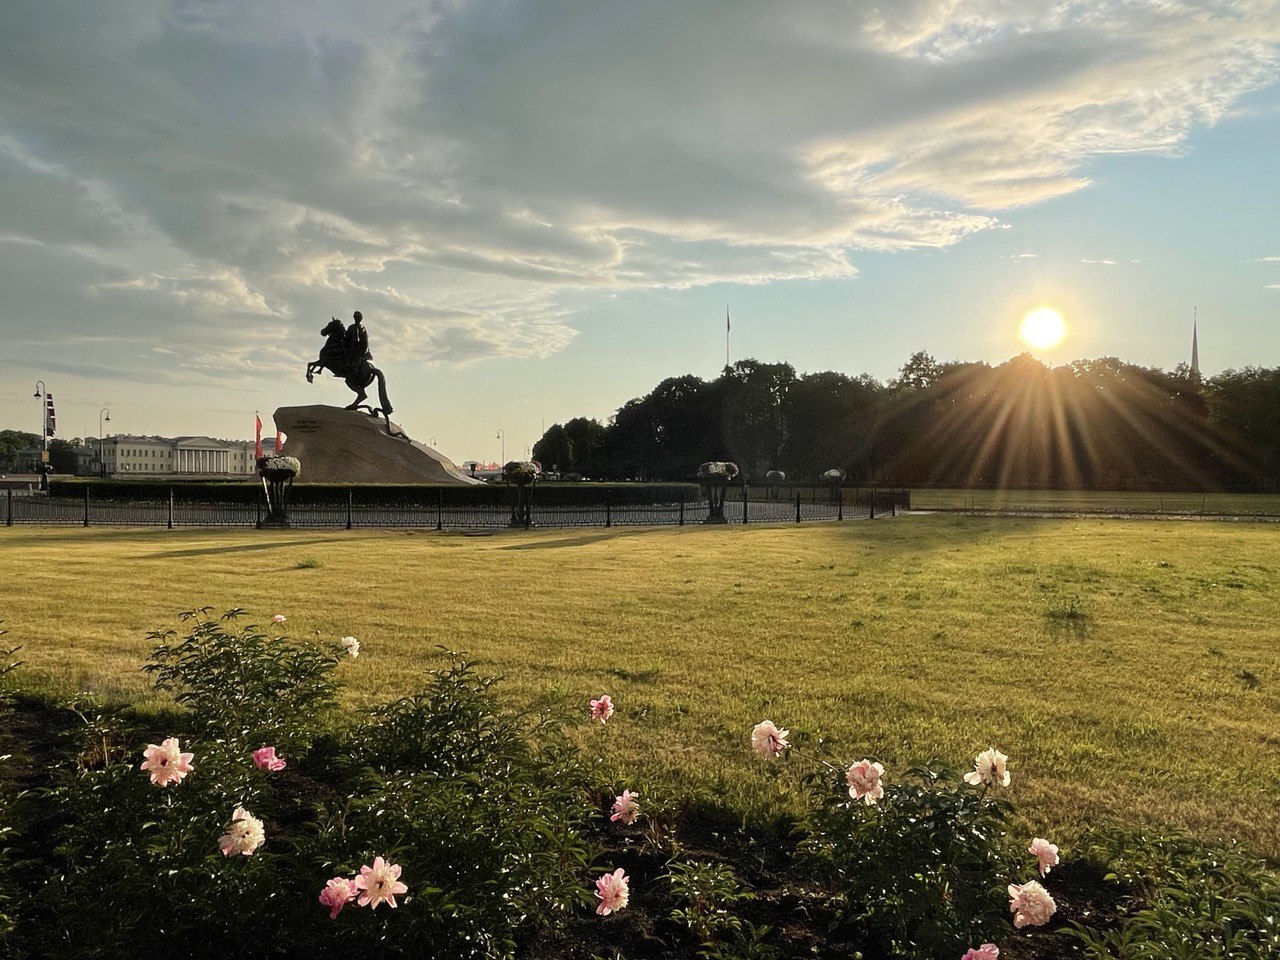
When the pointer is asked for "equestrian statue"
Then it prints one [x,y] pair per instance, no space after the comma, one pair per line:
[346,354]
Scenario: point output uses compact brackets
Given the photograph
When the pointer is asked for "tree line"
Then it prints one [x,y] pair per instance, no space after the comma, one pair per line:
[1097,423]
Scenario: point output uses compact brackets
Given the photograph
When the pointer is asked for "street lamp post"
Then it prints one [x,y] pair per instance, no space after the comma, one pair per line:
[102,457]
[43,394]
[503,437]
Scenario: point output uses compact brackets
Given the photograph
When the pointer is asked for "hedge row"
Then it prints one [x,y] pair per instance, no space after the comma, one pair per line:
[249,491]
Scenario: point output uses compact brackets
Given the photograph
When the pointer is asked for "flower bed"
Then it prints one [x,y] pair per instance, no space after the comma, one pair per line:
[442,824]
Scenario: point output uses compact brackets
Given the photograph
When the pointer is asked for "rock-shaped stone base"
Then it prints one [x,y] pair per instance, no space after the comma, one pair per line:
[348,446]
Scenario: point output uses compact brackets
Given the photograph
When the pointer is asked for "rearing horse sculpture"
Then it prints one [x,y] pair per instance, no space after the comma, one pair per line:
[359,374]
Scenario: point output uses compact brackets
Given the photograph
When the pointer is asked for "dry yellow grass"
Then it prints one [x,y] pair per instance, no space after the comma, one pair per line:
[1129,669]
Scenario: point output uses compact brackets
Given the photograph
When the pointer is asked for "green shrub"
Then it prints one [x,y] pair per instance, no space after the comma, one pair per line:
[243,686]
[922,872]
[1184,899]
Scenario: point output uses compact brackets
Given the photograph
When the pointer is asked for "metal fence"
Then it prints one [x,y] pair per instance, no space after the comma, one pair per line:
[455,510]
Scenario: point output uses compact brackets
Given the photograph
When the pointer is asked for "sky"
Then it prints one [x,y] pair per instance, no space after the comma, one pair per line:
[543,208]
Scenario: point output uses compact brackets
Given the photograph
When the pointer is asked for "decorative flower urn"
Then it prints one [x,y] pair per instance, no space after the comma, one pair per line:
[523,476]
[835,480]
[715,478]
[278,474]
[773,480]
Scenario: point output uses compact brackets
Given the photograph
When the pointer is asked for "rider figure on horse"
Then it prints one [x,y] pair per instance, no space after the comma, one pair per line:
[346,353]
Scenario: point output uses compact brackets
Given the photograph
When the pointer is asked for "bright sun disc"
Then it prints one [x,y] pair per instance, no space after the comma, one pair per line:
[1043,328]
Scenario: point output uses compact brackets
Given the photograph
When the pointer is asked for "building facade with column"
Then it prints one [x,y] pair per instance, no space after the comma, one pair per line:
[126,455]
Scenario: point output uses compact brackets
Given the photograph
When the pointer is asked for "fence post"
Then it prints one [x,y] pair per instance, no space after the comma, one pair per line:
[681,506]
[440,511]
[8,517]
[348,508]
[873,504]
[840,506]
[744,501]
[608,508]
[797,504]
[258,504]
[894,496]
[86,506]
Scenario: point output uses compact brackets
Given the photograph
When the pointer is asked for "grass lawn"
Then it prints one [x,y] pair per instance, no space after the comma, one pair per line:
[1099,501]
[1129,669]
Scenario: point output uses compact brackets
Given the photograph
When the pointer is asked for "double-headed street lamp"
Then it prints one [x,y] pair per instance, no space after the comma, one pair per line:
[102,457]
[43,395]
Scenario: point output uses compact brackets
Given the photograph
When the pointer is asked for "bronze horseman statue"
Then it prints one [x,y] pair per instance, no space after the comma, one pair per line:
[346,354]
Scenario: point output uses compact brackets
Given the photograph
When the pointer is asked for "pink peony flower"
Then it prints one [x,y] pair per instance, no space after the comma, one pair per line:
[337,893]
[379,883]
[166,762]
[602,709]
[264,758]
[625,809]
[1030,904]
[988,951]
[244,836]
[864,781]
[1045,852]
[614,891]
[989,769]
[767,740]
[279,618]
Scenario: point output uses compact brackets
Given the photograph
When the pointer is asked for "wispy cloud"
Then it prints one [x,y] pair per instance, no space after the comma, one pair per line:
[1108,263]
[1265,260]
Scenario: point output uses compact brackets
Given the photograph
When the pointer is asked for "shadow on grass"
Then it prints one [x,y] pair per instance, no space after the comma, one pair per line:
[586,539]
[238,548]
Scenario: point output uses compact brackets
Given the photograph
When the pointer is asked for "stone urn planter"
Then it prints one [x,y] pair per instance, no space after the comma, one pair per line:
[715,478]
[523,476]
[772,481]
[834,480]
[278,474]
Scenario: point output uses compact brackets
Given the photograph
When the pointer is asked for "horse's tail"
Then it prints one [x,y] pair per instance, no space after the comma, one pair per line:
[382,392]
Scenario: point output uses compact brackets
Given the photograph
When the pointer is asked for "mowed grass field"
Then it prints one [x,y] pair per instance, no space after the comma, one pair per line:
[1099,501]
[1130,669]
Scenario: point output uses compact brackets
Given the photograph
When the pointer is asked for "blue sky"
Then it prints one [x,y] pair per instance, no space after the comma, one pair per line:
[543,208]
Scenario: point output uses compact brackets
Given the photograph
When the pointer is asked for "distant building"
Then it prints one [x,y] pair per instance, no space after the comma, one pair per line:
[126,455]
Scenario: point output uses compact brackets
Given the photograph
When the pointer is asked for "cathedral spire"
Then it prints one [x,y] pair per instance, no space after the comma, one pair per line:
[1195,347]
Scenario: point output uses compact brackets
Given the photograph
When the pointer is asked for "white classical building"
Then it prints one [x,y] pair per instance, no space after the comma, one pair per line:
[133,456]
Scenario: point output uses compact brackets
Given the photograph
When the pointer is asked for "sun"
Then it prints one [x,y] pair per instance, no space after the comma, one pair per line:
[1043,328]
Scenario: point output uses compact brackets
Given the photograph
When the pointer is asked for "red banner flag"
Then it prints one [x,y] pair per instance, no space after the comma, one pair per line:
[279,441]
[257,443]
[51,418]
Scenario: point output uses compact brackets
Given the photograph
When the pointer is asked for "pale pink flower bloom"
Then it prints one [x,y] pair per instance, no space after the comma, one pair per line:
[379,883]
[352,646]
[767,740]
[337,893]
[625,809]
[166,762]
[279,618]
[988,951]
[864,781]
[245,834]
[1045,852]
[602,709]
[264,758]
[989,769]
[614,891]
[1031,905]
